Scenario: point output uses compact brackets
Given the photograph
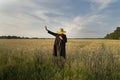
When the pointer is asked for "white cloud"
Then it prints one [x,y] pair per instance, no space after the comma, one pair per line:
[20,24]
[25,18]
[7,1]
[28,17]
[78,23]
[4,3]
[101,4]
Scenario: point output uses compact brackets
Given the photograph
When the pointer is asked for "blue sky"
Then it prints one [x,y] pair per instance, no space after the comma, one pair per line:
[79,18]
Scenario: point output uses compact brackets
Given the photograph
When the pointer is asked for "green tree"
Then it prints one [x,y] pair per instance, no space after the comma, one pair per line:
[114,35]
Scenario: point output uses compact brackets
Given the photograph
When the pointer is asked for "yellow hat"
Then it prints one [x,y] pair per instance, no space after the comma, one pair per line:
[61,31]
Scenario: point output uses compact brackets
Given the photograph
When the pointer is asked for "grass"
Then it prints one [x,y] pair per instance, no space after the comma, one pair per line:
[23,59]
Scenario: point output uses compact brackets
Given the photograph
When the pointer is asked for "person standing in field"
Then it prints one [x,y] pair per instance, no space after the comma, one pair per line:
[59,43]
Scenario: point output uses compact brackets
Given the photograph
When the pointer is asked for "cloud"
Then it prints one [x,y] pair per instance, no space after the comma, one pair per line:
[101,4]
[25,18]
[75,26]
[28,17]
[4,3]
[7,2]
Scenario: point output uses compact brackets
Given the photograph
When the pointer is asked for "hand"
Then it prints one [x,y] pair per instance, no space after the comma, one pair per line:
[61,37]
[46,28]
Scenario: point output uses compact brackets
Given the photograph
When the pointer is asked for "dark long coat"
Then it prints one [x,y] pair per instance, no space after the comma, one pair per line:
[59,45]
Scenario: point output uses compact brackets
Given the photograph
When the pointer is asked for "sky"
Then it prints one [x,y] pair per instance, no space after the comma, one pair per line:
[79,18]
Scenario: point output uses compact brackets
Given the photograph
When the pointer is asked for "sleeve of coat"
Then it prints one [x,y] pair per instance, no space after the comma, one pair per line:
[52,33]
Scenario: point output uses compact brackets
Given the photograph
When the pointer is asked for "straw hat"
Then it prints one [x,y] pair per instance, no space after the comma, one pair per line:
[61,31]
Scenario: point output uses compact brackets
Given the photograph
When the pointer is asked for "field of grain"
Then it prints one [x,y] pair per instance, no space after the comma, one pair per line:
[31,59]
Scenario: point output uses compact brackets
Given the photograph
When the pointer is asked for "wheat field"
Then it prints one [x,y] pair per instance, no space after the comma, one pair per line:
[31,59]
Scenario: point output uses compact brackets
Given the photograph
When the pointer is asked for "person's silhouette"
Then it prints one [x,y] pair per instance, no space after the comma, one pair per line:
[59,43]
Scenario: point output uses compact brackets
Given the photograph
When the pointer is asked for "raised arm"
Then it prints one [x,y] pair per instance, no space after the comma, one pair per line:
[50,32]
[46,28]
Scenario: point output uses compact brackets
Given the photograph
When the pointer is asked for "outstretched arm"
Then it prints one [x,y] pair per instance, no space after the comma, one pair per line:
[50,32]
[46,28]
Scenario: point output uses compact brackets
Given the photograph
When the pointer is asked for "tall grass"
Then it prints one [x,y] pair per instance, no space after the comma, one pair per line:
[33,60]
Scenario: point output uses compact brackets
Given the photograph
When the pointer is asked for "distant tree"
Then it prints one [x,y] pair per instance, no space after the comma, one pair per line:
[114,35]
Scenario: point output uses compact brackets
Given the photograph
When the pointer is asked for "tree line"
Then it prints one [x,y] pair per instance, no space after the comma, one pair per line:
[13,37]
[18,37]
[114,35]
